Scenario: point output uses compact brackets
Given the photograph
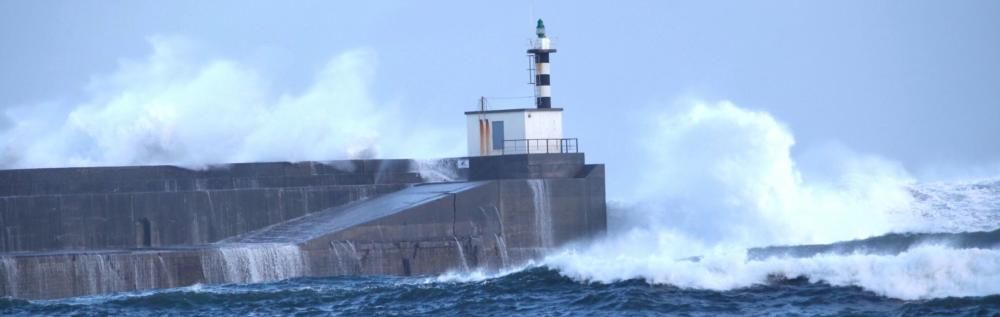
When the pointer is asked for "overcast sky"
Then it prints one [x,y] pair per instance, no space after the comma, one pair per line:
[914,81]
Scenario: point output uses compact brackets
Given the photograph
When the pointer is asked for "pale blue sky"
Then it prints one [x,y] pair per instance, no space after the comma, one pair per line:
[914,81]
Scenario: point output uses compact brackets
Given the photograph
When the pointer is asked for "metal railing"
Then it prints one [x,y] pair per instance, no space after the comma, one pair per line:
[534,146]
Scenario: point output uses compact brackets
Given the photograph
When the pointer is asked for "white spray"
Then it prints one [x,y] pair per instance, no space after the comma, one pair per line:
[543,212]
[9,267]
[722,179]
[254,263]
[461,255]
[502,250]
[177,108]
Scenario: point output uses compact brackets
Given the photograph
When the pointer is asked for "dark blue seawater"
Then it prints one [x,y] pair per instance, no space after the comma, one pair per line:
[534,292]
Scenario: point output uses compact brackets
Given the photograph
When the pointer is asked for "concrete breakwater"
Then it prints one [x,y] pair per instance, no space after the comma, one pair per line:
[136,228]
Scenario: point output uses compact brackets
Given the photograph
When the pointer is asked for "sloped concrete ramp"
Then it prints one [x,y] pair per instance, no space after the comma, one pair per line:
[335,219]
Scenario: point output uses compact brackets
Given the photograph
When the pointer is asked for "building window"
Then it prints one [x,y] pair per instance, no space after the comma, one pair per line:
[498,135]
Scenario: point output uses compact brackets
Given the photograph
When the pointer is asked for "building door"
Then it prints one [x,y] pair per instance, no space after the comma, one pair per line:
[498,135]
[143,233]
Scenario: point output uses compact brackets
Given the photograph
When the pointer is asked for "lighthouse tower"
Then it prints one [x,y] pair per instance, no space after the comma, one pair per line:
[540,55]
[525,130]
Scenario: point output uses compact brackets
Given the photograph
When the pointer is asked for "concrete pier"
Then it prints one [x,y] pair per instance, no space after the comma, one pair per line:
[82,231]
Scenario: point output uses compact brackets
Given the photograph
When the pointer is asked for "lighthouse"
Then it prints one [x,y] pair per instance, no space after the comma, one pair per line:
[540,55]
[522,130]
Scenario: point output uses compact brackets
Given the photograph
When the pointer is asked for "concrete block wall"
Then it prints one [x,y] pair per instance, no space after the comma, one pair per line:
[496,225]
[521,166]
[119,179]
[56,275]
[149,206]
[490,227]
[151,219]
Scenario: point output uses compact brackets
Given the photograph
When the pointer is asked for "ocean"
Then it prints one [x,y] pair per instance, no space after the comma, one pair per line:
[536,291]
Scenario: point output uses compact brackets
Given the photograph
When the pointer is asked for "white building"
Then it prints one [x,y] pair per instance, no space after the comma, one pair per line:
[516,131]
[522,131]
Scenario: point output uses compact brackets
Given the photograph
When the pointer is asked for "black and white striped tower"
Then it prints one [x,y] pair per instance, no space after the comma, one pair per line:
[543,80]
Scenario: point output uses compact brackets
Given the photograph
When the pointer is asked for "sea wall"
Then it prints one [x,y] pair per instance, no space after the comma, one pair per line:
[150,206]
[499,224]
[462,220]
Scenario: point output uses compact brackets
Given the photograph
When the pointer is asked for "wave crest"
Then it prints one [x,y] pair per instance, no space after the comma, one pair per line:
[722,180]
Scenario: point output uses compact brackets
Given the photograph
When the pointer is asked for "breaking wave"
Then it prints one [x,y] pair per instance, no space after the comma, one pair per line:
[724,189]
[177,107]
